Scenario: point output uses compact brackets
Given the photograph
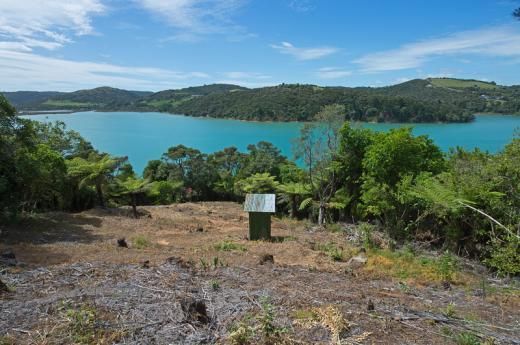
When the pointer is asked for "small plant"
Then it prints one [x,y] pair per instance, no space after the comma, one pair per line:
[447,266]
[81,324]
[366,230]
[204,264]
[404,287]
[269,329]
[331,249]
[141,242]
[241,334]
[4,340]
[450,310]
[334,227]
[228,246]
[215,285]
[217,262]
[336,254]
[304,314]
[466,338]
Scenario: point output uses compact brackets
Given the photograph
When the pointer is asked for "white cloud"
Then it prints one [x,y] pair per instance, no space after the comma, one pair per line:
[438,75]
[194,18]
[23,70]
[246,83]
[401,80]
[44,23]
[304,53]
[502,41]
[246,75]
[301,5]
[332,73]
[247,79]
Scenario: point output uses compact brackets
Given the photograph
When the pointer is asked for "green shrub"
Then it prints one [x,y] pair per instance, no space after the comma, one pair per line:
[228,246]
[241,334]
[334,227]
[366,230]
[267,318]
[215,285]
[505,257]
[331,249]
[450,310]
[466,338]
[447,265]
[140,242]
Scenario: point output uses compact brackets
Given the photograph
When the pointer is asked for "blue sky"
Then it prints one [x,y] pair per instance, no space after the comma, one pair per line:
[161,44]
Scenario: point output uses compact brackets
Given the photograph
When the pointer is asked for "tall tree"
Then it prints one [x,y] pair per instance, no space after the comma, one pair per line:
[132,187]
[292,193]
[317,146]
[257,183]
[354,143]
[7,155]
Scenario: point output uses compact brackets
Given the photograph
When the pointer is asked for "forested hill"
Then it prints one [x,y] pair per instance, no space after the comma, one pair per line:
[419,100]
[95,99]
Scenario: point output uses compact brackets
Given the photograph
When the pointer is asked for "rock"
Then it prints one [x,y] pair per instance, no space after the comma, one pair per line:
[370,305]
[7,258]
[122,243]
[358,261]
[146,264]
[266,258]
[8,254]
[195,310]
[175,260]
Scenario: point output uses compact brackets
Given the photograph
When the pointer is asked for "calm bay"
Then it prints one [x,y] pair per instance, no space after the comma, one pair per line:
[145,136]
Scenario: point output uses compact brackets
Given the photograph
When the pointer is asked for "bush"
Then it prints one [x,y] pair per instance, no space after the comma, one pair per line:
[505,257]
[140,242]
[466,338]
[447,266]
[366,230]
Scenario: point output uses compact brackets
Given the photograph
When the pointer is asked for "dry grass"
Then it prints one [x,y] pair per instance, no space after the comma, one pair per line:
[411,268]
[308,276]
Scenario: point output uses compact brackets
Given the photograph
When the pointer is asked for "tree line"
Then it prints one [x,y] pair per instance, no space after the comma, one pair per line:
[466,201]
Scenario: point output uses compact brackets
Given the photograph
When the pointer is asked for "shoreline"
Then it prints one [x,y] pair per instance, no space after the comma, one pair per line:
[66,112]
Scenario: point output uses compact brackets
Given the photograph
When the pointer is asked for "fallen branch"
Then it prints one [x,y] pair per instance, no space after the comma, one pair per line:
[490,218]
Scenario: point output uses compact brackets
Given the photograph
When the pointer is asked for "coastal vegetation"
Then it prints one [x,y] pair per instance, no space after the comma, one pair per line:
[428,100]
[464,201]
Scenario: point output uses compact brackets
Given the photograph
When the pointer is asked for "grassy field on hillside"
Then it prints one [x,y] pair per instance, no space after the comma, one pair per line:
[66,103]
[462,84]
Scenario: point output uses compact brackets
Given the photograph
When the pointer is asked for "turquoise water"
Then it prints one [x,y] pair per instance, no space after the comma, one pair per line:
[145,136]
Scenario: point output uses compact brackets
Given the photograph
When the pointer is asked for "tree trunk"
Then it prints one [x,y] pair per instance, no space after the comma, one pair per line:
[99,191]
[321,214]
[134,206]
[293,207]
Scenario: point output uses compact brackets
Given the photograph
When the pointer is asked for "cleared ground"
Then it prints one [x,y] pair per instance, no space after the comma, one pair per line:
[191,276]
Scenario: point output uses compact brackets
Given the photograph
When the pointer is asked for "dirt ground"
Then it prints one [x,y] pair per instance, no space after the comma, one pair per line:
[190,276]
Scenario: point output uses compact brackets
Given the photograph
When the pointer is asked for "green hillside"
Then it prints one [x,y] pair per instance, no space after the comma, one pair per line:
[100,98]
[167,100]
[28,99]
[418,100]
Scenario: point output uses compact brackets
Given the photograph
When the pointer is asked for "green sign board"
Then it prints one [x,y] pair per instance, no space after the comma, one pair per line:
[260,207]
